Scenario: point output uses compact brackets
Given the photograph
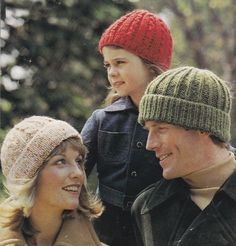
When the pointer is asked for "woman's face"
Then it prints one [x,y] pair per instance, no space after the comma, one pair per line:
[60,181]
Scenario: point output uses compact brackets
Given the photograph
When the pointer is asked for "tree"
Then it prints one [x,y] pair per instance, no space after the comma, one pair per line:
[50,62]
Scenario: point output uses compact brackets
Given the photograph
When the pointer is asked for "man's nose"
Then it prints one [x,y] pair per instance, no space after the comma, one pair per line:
[153,142]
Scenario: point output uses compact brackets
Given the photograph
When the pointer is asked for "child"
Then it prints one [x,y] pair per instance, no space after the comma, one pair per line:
[136,48]
[48,204]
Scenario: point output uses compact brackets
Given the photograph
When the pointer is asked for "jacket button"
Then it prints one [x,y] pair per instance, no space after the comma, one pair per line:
[129,204]
[133,174]
[139,145]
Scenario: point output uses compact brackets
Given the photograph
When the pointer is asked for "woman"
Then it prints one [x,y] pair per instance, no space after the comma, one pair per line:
[48,204]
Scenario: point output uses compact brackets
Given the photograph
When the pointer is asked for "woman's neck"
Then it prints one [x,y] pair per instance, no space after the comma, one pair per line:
[47,223]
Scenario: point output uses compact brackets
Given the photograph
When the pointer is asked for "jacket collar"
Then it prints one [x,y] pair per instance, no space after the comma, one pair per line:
[229,187]
[122,104]
[163,191]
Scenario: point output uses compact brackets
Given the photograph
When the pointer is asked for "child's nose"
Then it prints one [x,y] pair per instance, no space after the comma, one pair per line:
[112,71]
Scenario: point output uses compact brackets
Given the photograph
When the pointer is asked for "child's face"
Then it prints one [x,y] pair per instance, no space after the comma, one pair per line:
[60,181]
[127,73]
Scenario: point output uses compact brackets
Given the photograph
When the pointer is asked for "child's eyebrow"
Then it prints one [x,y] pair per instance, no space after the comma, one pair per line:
[117,58]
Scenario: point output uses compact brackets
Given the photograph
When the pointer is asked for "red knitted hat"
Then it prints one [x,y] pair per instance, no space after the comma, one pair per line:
[142,33]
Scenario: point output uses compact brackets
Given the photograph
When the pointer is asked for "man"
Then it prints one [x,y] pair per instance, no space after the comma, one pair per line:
[187,113]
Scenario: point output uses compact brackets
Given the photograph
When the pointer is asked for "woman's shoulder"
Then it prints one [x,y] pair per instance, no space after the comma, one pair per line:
[9,237]
[77,228]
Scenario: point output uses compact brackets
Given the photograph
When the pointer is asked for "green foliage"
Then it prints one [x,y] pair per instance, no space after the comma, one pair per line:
[53,66]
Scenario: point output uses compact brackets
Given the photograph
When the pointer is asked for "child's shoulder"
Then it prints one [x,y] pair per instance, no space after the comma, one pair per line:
[120,106]
[123,103]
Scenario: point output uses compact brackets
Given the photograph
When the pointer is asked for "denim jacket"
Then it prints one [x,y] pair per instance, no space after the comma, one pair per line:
[116,144]
[165,215]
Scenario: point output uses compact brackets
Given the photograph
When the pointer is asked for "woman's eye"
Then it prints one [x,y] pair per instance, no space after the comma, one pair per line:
[79,161]
[60,162]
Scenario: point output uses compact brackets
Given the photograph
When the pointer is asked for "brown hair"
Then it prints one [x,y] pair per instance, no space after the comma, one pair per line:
[219,142]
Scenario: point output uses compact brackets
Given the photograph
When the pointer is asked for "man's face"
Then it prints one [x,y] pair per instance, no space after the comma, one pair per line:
[178,149]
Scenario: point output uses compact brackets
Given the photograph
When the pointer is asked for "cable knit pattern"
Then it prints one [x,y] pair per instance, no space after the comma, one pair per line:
[28,144]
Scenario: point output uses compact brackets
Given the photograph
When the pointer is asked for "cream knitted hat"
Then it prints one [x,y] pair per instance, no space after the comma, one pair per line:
[28,144]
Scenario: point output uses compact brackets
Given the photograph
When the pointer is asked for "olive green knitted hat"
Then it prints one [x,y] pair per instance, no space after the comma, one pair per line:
[191,98]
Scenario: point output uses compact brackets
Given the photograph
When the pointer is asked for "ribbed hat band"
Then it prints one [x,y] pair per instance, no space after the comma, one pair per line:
[191,98]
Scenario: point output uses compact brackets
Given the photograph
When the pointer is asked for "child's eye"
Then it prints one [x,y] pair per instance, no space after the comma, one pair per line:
[120,62]
[106,65]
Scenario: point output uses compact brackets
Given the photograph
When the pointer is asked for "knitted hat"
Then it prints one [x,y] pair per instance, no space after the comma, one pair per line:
[191,98]
[28,144]
[143,34]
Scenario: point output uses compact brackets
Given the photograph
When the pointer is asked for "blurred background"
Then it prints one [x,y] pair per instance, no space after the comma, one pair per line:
[50,64]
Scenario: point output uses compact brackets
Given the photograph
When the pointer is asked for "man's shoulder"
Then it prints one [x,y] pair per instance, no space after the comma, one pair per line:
[145,195]
[158,193]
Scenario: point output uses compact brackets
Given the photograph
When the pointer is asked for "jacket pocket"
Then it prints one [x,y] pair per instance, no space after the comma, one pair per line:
[113,146]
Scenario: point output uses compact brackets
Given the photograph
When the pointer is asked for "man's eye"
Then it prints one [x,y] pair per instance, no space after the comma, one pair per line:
[162,129]
[61,162]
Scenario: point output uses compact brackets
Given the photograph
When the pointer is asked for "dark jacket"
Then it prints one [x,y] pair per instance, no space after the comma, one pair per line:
[165,215]
[116,144]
